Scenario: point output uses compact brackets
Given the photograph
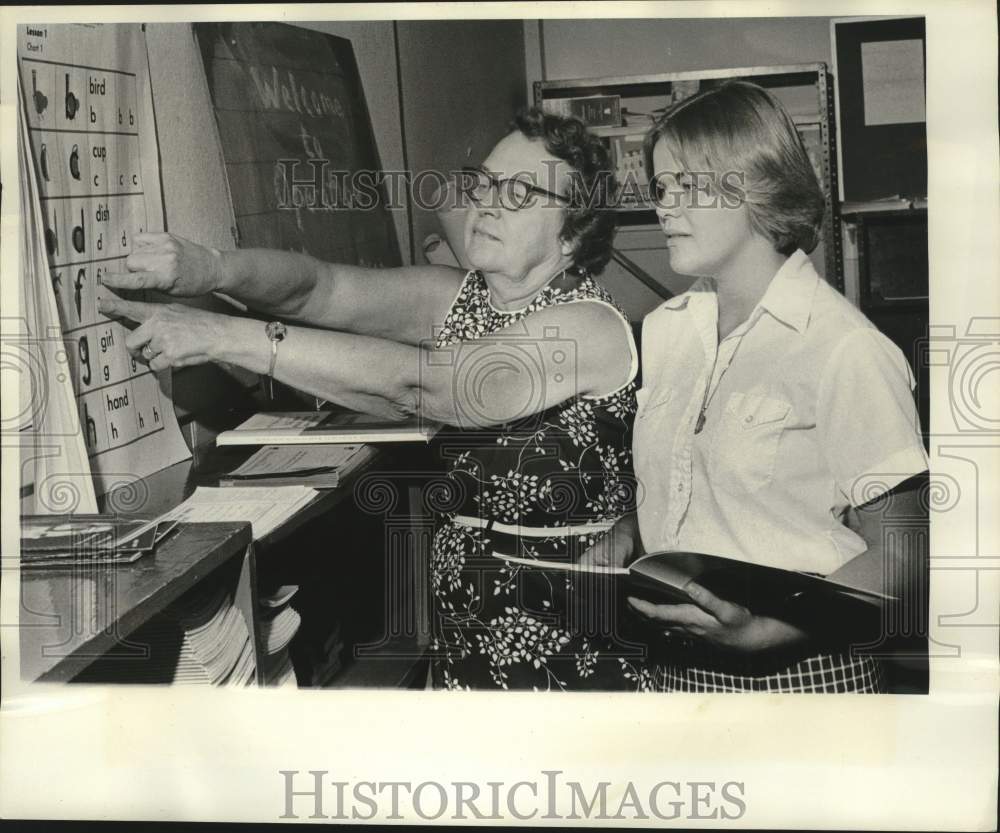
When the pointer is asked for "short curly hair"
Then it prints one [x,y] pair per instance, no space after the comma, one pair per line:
[590,216]
[739,126]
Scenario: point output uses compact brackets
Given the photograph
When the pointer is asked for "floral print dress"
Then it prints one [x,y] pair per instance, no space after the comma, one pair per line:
[543,487]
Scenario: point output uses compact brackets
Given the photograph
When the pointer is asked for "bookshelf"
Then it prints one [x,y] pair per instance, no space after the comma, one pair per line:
[623,109]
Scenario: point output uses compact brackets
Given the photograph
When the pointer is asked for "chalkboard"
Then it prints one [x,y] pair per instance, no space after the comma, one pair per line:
[297,142]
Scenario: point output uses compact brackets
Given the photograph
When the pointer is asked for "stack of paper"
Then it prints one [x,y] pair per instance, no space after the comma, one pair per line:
[156,653]
[279,623]
[201,639]
[315,427]
[279,629]
[265,509]
[304,465]
[54,541]
[217,634]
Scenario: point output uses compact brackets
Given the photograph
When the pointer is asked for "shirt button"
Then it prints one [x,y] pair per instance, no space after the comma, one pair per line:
[749,419]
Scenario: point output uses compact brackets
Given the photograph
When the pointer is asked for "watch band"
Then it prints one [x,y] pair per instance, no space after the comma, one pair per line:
[275,332]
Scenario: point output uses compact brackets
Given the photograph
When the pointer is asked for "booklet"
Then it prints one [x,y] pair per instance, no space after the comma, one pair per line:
[318,466]
[663,576]
[55,533]
[97,545]
[315,427]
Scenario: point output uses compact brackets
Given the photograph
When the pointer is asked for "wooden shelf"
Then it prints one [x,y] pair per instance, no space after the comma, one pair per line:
[113,601]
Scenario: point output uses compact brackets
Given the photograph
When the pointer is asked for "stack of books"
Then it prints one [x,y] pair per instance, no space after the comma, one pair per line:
[201,639]
[317,466]
[217,634]
[63,541]
[280,622]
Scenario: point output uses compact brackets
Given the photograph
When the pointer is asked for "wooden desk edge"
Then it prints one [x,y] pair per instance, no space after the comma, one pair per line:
[234,538]
[64,668]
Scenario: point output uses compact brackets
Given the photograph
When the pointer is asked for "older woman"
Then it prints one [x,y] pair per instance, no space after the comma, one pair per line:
[776,423]
[525,356]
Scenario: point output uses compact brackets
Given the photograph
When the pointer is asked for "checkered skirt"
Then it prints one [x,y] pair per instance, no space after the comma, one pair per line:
[820,674]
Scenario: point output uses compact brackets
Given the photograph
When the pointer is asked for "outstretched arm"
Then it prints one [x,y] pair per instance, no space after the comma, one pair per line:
[402,303]
[549,357]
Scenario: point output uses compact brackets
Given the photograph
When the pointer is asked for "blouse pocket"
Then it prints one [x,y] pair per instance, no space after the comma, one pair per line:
[746,443]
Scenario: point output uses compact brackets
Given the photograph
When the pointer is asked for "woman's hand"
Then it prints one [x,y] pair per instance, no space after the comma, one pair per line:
[169,264]
[616,549]
[169,335]
[721,623]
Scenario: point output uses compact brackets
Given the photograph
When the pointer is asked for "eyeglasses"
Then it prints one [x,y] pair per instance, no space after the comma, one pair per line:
[514,194]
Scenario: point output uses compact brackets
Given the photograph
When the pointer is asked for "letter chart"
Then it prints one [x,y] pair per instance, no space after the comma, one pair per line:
[93,144]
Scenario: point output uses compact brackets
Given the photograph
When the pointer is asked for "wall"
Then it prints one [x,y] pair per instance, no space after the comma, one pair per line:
[584,48]
[462,83]
[559,49]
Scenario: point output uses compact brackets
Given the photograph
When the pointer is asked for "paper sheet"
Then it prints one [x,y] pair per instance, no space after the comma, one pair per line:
[266,509]
[287,460]
[892,77]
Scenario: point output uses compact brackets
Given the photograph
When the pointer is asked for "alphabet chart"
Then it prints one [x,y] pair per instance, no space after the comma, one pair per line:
[93,145]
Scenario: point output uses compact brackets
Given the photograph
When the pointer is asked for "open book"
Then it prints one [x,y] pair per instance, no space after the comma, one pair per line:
[315,427]
[663,576]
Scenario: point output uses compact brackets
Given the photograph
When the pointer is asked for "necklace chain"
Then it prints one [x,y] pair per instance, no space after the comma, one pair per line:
[711,391]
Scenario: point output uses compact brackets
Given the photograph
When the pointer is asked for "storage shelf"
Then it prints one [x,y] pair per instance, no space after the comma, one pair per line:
[638,130]
[805,91]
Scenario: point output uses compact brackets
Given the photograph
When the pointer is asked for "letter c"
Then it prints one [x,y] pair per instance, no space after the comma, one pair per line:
[510,800]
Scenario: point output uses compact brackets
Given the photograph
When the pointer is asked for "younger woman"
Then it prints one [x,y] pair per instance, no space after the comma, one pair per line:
[773,412]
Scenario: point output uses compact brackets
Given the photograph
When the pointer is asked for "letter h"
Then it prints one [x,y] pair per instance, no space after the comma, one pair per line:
[300,193]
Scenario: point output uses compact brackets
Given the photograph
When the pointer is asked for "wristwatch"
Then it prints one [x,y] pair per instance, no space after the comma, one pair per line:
[275,332]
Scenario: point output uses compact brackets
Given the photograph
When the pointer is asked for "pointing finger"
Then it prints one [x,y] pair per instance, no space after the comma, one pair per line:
[131,280]
[150,238]
[114,307]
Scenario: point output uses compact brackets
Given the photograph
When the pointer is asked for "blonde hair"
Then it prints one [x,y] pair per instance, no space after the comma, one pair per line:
[740,127]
